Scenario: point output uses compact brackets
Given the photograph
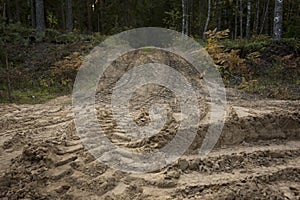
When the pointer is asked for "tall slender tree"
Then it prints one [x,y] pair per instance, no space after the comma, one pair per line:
[89,16]
[191,16]
[236,18]
[8,10]
[63,17]
[256,21]
[241,19]
[32,13]
[18,18]
[4,9]
[265,16]
[207,19]
[69,18]
[220,4]
[248,18]
[183,7]
[40,16]
[200,17]
[187,17]
[277,26]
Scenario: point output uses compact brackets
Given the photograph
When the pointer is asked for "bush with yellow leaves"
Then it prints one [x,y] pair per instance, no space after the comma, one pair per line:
[228,63]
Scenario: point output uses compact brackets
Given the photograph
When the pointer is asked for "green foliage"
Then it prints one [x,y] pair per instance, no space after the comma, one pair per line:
[173,19]
[54,36]
[52,20]
[148,49]
[15,34]
[33,95]
[260,43]
[97,38]
[51,34]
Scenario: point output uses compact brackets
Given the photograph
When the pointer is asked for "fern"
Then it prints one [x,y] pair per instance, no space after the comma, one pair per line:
[227,62]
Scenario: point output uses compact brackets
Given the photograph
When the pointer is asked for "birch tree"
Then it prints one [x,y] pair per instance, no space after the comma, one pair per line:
[184,17]
[248,19]
[277,26]
[207,19]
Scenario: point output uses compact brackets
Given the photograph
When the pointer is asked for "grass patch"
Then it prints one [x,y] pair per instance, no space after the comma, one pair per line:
[148,49]
[32,96]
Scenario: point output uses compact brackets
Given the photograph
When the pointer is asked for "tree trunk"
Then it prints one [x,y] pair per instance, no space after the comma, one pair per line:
[98,22]
[277,26]
[256,21]
[241,19]
[268,30]
[191,5]
[207,19]
[9,16]
[265,16]
[200,18]
[4,11]
[127,9]
[69,19]
[214,14]
[40,16]
[236,19]
[187,17]
[248,19]
[89,11]
[18,19]
[101,4]
[183,16]
[32,13]
[220,15]
[63,17]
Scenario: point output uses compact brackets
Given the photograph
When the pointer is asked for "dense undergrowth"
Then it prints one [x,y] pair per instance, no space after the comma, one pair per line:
[261,65]
[35,68]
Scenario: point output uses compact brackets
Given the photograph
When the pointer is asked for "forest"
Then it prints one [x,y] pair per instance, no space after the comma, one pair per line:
[238,34]
[245,18]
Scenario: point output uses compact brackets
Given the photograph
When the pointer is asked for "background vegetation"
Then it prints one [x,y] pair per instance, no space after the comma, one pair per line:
[254,43]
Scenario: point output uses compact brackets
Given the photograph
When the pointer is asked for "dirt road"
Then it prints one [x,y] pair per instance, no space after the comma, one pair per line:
[257,157]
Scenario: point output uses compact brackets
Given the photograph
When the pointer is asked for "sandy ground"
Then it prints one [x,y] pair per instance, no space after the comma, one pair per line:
[257,156]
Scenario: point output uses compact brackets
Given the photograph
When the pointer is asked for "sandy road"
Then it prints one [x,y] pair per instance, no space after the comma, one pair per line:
[257,157]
